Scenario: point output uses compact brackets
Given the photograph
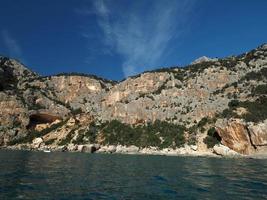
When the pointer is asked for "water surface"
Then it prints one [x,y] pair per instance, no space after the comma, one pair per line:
[38,175]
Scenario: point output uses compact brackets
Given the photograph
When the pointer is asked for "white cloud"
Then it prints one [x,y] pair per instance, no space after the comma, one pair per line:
[11,44]
[141,33]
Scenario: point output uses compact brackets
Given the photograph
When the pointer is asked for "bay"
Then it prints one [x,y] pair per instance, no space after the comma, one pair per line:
[56,175]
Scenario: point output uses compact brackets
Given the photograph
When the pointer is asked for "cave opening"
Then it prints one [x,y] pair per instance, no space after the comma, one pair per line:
[217,136]
[41,118]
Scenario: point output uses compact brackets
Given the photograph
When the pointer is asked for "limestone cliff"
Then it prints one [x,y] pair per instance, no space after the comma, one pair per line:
[212,101]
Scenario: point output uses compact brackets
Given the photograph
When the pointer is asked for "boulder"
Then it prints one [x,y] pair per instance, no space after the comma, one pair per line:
[111,149]
[24,147]
[97,146]
[120,149]
[37,142]
[224,151]
[132,149]
[63,148]
[90,148]
[107,149]
[79,148]
[72,147]
[193,147]
[187,149]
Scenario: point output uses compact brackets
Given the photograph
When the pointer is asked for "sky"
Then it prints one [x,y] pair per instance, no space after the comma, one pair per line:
[114,39]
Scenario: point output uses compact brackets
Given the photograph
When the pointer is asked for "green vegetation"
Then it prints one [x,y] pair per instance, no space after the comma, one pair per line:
[49,142]
[219,91]
[257,76]
[166,69]
[67,105]
[234,103]
[161,134]
[200,126]
[260,90]
[160,88]
[79,139]
[229,63]
[67,139]
[203,122]
[257,110]
[34,134]
[212,138]
[35,106]
[199,67]
[90,134]
[76,111]
[8,80]
[247,57]
[179,75]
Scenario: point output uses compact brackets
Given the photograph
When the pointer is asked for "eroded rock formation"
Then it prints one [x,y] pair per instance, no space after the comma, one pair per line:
[73,108]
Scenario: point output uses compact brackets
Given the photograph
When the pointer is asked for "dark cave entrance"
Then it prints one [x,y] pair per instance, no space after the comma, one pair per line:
[217,136]
[41,118]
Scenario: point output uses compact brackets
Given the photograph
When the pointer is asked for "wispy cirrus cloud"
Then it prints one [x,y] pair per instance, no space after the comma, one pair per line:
[141,32]
[11,44]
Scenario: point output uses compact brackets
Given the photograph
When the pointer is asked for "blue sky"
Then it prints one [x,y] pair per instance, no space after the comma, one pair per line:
[117,38]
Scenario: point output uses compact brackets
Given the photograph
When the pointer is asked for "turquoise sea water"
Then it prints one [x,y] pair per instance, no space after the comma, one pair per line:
[37,175]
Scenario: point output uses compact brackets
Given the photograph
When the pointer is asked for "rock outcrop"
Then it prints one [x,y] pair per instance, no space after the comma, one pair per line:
[242,137]
[211,101]
[235,135]
[258,134]
[203,59]
[224,151]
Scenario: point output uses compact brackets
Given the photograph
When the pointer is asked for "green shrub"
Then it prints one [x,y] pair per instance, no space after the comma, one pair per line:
[160,88]
[192,139]
[260,90]
[92,132]
[234,103]
[212,138]
[257,110]
[67,139]
[211,131]
[76,111]
[258,76]
[210,141]
[151,134]
[34,134]
[51,141]
[202,122]
[79,139]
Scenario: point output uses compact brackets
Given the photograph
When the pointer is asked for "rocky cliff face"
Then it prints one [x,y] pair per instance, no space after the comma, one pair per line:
[212,101]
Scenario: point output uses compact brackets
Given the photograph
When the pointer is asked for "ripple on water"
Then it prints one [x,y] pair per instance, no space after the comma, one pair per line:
[35,175]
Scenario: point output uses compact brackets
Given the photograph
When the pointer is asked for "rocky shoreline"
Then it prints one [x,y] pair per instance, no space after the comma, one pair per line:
[187,150]
[219,151]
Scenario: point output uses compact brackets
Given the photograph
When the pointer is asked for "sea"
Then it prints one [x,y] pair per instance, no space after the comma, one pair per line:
[61,175]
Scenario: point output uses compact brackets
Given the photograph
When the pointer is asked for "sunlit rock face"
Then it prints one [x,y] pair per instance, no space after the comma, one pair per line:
[242,137]
[258,134]
[205,89]
[235,135]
